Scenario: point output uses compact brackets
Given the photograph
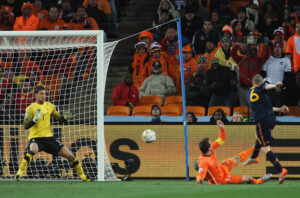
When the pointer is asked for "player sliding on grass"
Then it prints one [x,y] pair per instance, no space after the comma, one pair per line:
[264,116]
[219,173]
[37,120]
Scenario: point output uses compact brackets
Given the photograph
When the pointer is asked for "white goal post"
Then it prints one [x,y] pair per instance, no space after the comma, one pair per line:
[67,55]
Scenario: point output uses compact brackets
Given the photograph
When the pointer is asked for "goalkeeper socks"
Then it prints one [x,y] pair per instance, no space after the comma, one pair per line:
[257,181]
[273,159]
[245,154]
[27,159]
[256,150]
[78,168]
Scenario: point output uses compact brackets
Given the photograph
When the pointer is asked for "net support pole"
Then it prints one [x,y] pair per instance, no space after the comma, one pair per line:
[183,99]
[100,106]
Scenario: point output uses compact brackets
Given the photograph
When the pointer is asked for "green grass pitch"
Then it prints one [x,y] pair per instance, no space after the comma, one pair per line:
[145,188]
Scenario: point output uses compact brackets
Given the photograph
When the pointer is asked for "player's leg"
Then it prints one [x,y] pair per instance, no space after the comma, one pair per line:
[251,180]
[32,150]
[259,141]
[242,156]
[274,160]
[65,152]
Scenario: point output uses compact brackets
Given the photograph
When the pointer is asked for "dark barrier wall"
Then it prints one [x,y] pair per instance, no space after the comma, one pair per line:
[163,158]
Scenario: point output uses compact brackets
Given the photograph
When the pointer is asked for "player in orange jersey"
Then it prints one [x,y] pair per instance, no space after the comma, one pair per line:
[219,173]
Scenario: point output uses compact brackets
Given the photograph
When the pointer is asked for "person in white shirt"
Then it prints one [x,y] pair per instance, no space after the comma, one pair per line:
[277,69]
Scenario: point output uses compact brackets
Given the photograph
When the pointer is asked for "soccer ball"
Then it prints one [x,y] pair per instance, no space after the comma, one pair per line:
[148,136]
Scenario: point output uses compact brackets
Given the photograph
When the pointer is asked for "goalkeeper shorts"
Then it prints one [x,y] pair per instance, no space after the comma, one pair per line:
[47,144]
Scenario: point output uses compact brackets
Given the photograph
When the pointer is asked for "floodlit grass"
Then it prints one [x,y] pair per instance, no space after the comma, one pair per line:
[145,188]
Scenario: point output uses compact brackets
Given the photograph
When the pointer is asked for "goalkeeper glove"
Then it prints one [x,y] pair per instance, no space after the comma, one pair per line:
[68,115]
[38,115]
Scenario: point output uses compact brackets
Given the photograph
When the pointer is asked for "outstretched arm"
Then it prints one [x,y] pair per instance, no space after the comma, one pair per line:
[272,86]
[221,139]
[282,109]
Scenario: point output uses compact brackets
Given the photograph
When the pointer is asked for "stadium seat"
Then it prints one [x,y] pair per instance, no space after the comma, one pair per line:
[172,110]
[142,111]
[197,110]
[118,111]
[242,109]
[173,100]
[151,100]
[211,110]
[293,111]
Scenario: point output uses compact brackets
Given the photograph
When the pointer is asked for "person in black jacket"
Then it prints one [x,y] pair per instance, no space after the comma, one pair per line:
[219,114]
[222,82]
[197,91]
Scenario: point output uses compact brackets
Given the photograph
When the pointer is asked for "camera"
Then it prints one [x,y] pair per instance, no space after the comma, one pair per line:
[251,40]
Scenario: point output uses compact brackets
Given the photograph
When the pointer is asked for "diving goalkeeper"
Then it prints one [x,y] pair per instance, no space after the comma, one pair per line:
[37,120]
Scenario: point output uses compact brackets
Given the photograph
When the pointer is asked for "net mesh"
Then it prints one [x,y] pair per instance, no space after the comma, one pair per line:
[66,66]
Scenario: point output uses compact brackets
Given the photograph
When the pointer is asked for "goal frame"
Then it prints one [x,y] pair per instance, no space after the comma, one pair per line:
[101,76]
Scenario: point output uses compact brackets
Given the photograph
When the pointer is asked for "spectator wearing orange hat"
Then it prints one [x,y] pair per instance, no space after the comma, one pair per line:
[155,56]
[28,21]
[82,21]
[7,19]
[52,22]
[146,37]
[189,63]
[140,57]
[39,11]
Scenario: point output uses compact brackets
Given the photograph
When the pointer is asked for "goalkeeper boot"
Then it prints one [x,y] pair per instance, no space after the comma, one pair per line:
[251,161]
[85,178]
[283,173]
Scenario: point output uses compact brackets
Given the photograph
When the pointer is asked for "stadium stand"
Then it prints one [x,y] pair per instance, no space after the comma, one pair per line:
[197,110]
[151,100]
[242,109]
[141,111]
[118,111]
[211,110]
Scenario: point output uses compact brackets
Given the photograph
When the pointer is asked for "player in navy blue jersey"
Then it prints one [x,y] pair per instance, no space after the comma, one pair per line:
[264,116]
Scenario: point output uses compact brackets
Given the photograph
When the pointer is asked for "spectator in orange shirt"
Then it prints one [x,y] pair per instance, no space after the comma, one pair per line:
[39,11]
[219,173]
[102,5]
[155,56]
[82,21]
[27,21]
[52,22]
[189,63]
[7,19]
[292,48]
[24,65]
[140,57]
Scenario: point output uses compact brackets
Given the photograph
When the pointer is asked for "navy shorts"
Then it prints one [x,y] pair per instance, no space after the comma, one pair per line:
[47,144]
[263,130]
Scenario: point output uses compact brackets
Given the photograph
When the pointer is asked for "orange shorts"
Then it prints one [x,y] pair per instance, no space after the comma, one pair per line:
[230,179]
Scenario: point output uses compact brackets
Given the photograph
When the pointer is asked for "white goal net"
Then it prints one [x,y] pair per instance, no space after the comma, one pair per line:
[72,66]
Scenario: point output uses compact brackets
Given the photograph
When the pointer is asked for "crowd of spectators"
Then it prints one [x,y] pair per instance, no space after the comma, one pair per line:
[223,49]
[57,70]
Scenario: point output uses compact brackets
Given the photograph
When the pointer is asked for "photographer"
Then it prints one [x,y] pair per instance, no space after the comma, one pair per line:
[82,22]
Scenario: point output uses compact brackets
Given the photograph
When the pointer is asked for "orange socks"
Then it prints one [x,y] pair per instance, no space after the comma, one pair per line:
[257,181]
[245,154]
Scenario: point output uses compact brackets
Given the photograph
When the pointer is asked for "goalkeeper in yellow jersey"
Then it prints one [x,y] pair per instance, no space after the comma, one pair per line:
[37,120]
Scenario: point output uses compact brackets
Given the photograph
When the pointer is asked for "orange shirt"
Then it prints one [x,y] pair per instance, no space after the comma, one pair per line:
[189,67]
[21,24]
[41,14]
[28,66]
[209,167]
[102,5]
[148,67]
[293,47]
[80,25]
[138,64]
[55,25]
